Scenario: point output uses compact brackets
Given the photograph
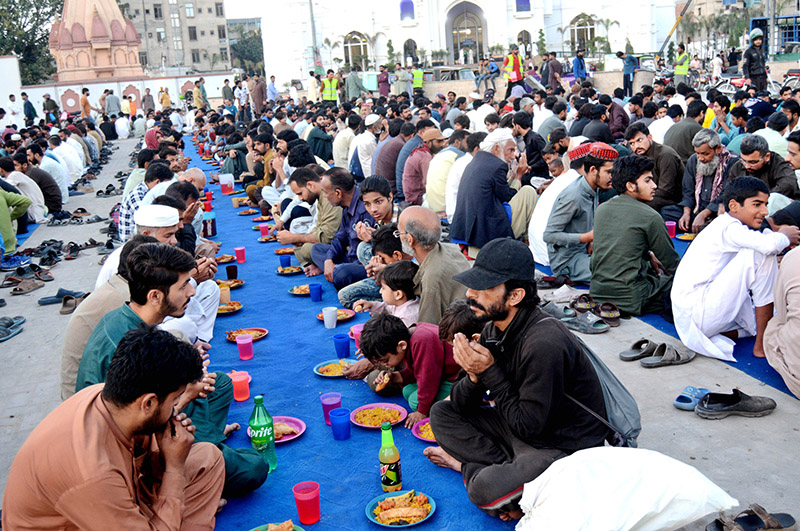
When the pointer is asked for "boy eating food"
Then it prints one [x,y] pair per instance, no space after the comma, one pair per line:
[396,281]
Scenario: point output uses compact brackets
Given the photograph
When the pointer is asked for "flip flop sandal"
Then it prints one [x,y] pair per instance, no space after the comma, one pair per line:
[50,259]
[108,248]
[80,211]
[11,322]
[666,354]
[586,323]
[559,312]
[6,334]
[641,349]
[76,221]
[57,222]
[11,280]
[26,286]
[45,276]
[68,305]
[754,519]
[2,303]
[102,193]
[689,398]
[96,219]
[91,244]
[73,250]
[551,282]
[583,303]
[608,312]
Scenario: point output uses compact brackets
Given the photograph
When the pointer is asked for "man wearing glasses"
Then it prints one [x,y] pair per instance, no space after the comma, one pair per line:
[758,161]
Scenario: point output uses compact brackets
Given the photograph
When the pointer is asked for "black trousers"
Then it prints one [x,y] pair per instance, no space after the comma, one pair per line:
[495,463]
[627,84]
[759,82]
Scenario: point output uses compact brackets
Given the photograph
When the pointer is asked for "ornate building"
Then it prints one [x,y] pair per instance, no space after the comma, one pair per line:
[93,40]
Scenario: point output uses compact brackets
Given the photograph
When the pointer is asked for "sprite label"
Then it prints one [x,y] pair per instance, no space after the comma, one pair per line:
[391,478]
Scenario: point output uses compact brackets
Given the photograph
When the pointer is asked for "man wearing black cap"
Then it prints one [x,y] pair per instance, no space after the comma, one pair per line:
[529,363]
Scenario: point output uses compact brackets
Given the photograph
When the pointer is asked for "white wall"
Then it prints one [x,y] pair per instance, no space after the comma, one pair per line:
[9,79]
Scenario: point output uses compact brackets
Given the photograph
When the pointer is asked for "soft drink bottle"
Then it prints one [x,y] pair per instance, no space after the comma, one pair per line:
[262,435]
[389,455]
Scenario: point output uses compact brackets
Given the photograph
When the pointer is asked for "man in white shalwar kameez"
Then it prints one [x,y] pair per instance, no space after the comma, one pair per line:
[723,285]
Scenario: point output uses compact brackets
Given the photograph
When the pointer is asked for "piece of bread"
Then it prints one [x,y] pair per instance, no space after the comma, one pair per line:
[285,526]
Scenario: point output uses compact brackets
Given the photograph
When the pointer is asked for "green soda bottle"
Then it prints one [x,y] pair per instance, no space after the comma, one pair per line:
[262,435]
[389,455]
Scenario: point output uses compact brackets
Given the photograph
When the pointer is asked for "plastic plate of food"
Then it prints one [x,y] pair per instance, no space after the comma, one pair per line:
[225,258]
[229,308]
[234,283]
[285,526]
[342,314]
[287,428]
[400,509]
[686,237]
[331,368]
[290,270]
[300,291]
[257,333]
[235,192]
[422,430]
[372,415]
[285,250]
[251,211]
[266,239]
[261,218]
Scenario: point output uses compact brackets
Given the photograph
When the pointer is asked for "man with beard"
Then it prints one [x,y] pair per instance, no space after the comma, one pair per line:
[415,172]
[480,215]
[528,362]
[534,144]
[563,143]
[667,168]
[569,233]
[634,261]
[759,161]
[160,284]
[707,171]
[125,457]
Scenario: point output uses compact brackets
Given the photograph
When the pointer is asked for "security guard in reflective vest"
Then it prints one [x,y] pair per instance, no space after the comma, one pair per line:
[416,79]
[681,65]
[330,87]
[512,69]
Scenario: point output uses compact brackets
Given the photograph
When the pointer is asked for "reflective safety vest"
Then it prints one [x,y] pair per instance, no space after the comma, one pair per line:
[417,78]
[329,87]
[511,73]
[682,69]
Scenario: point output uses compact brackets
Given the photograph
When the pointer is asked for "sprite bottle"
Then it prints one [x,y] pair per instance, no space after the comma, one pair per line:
[391,479]
[262,435]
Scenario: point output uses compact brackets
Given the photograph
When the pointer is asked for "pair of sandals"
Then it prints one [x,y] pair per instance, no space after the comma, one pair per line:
[652,355]
[756,518]
[10,326]
[585,323]
[28,272]
[586,316]
[110,191]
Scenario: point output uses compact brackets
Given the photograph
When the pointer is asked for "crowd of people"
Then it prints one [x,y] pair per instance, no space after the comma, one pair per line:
[431,212]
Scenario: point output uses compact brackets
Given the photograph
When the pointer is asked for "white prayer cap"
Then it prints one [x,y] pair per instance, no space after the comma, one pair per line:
[55,130]
[372,119]
[447,133]
[475,96]
[501,135]
[155,216]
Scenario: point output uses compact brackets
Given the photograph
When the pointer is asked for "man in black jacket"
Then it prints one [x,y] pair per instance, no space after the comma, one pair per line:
[530,363]
[753,66]
[534,144]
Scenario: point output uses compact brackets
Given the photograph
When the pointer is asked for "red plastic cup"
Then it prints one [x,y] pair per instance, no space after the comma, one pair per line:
[356,331]
[330,401]
[239,252]
[210,195]
[245,344]
[241,384]
[671,228]
[226,188]
[264,227]
[207,205]
[306,496]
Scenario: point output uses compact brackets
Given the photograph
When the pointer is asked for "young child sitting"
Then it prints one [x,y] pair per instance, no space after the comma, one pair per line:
[556,167]
[397,291]
[459,318]
[429,368]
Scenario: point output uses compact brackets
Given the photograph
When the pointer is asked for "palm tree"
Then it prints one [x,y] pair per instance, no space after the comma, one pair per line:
[329,46]
[607,23]
[373,45]
[563,31]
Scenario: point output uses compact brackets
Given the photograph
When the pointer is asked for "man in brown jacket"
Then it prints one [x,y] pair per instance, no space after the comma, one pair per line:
[259,95]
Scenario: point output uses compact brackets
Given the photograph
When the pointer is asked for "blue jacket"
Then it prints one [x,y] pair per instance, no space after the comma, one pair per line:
[579,67]
[345,242]
[629,64]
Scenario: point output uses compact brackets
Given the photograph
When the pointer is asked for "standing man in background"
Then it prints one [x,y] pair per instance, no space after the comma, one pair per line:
[681,65]
[628,70]
[512,68]
[754,67]
[579,67]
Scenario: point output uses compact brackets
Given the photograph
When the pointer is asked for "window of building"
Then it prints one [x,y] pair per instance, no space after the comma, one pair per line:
[523,6]
[190,9]
[143,59]
[173,2]
[202,33]
[524,42]
[211,32]
[136,12]
[355,49]
[581,32]
[195,55]
[406,9]
[222,32]
[161,34]
[146,11]
[193,35]
[175,18]
[467,37]
[209,10]
[177,42]
[220,9]
[158,13]
[223,54]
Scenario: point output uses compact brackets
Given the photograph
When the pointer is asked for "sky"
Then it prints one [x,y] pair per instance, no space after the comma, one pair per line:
[239,9]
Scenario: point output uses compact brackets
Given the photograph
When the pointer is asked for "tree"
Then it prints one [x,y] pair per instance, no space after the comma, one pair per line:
[390,54]
[541,45]
[25,31]
[628,46]
[671,52]
[248,51]
[329,46]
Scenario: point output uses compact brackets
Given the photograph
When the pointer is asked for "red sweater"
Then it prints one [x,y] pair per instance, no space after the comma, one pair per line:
[429,362]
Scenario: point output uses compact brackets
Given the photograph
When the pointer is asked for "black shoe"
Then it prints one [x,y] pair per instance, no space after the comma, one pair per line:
[719,405]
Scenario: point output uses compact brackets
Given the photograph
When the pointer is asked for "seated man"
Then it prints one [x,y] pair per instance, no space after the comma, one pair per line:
[759,161]
[428,369]
[307,185]
[707,171]
[729,269]
[667,169]
[781,340]
[528,362]
[339,259]
[480,215]
[12,206]
[679,137]
[633,260]
[158,171]
[126,459]
[159,287]
[728,124]
[439,169]
[569,230]
[48,185]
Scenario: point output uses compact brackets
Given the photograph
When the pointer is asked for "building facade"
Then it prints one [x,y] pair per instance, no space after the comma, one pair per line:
[455,31]
[241,26]
[181,36]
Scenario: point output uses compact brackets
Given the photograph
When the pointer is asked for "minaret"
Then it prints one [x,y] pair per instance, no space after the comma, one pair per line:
[93,40]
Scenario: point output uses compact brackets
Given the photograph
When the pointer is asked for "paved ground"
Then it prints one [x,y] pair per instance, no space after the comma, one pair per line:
[755,460]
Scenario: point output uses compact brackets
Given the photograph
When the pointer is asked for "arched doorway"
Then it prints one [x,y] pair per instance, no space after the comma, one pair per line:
[525,43]
[466,31]
[409,52]
[356,50]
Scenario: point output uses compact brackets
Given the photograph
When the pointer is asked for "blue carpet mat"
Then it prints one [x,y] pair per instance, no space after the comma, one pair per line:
[21,238]
[347,471]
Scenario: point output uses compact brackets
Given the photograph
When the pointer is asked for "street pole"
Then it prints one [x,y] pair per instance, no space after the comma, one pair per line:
[316,59]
